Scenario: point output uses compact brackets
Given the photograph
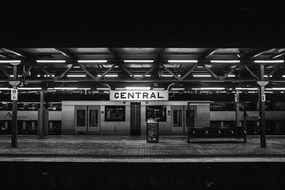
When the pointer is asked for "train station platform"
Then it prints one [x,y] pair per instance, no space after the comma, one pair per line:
[90,148]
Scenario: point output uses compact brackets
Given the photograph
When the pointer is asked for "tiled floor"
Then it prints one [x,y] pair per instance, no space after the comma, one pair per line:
[111,147]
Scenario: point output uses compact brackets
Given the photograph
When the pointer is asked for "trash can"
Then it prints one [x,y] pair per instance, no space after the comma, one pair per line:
[152,131]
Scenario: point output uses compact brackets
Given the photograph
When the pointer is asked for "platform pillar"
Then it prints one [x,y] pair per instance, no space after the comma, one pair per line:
[41,116]
[237,104]
[262,99]
[14,98]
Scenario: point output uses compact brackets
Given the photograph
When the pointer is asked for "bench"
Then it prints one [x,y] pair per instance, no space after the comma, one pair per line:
[217,132]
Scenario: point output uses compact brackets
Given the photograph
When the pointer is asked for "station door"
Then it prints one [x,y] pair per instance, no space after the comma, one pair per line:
[87,119]
[178,122]
[135,121]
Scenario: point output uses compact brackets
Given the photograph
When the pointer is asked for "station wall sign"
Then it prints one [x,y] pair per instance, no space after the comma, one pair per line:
[14,94]
[148,95]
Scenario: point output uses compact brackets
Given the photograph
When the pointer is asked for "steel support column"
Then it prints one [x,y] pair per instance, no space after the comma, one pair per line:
[237,104]
[262,99]
[14,83]
[41,116]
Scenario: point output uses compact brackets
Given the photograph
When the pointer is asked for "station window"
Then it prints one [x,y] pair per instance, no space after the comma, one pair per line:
[81,118]
[177,118]
[93,118]
[156,112]
[115,113]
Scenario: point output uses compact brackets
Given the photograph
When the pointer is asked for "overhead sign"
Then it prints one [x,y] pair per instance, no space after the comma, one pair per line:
[138,95]
[14,94]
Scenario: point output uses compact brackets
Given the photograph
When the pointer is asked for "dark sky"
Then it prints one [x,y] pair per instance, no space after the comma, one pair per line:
[180,23]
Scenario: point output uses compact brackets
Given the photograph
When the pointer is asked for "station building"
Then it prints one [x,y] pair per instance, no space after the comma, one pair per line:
[116,90]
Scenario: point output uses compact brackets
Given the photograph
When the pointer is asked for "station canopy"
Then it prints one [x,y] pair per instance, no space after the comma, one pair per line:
[103,68]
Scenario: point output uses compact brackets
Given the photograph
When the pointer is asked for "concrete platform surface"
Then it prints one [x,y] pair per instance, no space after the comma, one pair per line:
[93,148]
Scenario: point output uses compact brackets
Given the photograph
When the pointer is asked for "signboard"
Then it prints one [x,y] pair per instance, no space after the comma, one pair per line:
[263,98]
[14,94]
[138,95]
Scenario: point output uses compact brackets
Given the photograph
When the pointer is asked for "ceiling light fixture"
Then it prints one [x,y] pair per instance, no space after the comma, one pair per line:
[10,61]
[209,88]
[138,61]
[268,61]
[92,61]
[51,61]
[225,61]
[204,76]
[182,61]
[75,76]
[137,88]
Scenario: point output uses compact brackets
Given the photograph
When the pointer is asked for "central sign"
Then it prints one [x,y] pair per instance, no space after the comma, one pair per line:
[138,95]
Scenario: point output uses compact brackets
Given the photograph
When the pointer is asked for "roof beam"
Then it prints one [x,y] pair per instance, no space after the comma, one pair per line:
[120,63]
[64,73]
[14,51]
[4,72]
[87,72]
[276,67]
[252,73]
[46,72]
[157,64]
[67,53]
[106,72]
[255,53]
[170,72]
[281,54]
[189,72]
[211,72]
[143,81]
[207,53]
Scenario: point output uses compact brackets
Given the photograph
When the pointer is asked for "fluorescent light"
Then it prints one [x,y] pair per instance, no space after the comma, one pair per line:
[209,88]
[283,76]
[70,88]
[10,61]
[166,75]
[65,88]
[137,88]
[5,88]
[268,61]
[75,76]
[171,65]
[103,89]
[158,88]
[140,65]
[177,88]
[92,61]
[141,75]
[29,88]
[225,61]
[76,67]
[246,88]
[182,61]
[110,76]
[275,88]
[202,76]
[108,65]
[46,75]
[13,75]
[138,61]
[267,75]
[51,61]
[231,76]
